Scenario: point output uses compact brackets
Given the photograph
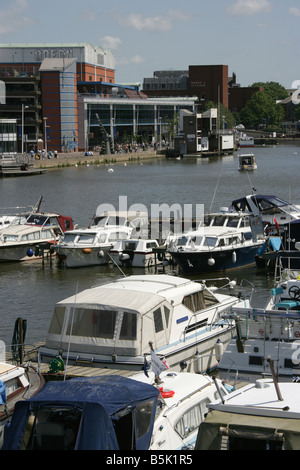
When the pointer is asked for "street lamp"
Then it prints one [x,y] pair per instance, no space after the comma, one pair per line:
[23,107]
[45,127]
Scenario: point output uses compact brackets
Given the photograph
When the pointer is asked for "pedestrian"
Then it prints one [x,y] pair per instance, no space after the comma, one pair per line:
[55,154]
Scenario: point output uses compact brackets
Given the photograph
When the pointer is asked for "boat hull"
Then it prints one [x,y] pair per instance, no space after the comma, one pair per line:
[201,262]
[22,252]
[82,257]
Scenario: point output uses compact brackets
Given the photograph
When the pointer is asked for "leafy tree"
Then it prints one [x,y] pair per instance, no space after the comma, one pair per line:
[261,108]
[273,89]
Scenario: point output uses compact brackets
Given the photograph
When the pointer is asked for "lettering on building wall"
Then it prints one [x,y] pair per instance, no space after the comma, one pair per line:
[197,83]
[41,54]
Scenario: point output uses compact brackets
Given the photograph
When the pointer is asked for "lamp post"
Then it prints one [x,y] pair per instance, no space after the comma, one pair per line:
[23,107]
[45,131]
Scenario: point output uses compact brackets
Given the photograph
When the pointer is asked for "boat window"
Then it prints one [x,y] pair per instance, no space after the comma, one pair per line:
[191,419]
[70,238]
[219,220]
[9,238]
[245,222]
[158,321]
[31,236]
[130,245]
[233,221]
[114,237]
[57,320]
[167,315]
[210,241]
[197,240]
[115,220]
[241,205]
[36,219]
[182,241]
[199,300]
[46,234]
[143,415]
[92,323]
[151,245]
[53,428]
[208,219]
[128,328]
[86,238]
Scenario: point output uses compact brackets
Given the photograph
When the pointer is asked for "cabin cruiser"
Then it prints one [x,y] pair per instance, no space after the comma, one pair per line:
[181,407]
[262,416]
[227,240]
[85,413]
[247,162]
[277,215]
[111,325]
[91,246]
[138,253]
[16,383]
[25,242]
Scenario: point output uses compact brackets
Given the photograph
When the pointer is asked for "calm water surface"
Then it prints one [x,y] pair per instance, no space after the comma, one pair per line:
[30,291]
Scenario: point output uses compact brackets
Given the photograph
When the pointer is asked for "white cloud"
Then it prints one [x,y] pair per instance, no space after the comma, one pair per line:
[249,7]
[137,59]
[160,23]
[13,18]
[294,11]
[110,42]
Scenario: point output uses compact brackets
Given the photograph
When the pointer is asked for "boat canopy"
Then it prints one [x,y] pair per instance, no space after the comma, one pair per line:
[86,413]
[110,320]
[261,428]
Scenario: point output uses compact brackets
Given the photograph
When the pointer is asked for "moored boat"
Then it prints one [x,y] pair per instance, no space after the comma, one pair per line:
[247,162]
[262,416]
[111,325]
[227,241]
[135,252]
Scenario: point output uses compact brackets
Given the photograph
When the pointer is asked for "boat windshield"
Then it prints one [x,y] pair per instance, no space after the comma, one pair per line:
[9,238]
[210,241]
[182,241]
[86,238]
[69,238]
[115,236]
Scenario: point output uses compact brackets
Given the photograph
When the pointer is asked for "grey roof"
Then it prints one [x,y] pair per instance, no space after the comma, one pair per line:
[58,64]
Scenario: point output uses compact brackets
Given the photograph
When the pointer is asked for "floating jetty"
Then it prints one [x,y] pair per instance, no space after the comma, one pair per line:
[14,165]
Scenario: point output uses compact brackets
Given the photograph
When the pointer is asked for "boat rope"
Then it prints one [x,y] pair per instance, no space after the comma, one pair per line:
[216,187]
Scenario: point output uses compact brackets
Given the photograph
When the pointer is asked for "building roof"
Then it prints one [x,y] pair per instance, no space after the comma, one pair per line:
[58,64]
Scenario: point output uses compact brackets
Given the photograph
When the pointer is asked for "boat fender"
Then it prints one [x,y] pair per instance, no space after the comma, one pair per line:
[211,262]
[124,257]
[234,257]
[87,251]
[219,349]
[166,393]
[30,252]
[101,254]
[37,251]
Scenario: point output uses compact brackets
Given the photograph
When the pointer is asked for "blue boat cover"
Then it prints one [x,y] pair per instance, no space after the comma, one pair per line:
[2,393]
[99,399]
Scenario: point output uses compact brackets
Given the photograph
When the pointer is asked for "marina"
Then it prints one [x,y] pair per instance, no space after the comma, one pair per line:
[32,289]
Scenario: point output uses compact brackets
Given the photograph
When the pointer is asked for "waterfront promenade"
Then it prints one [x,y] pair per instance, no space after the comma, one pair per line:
[79,158]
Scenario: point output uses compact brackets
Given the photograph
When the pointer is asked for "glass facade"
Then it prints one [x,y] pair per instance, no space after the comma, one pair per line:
[8,136]
[126,119]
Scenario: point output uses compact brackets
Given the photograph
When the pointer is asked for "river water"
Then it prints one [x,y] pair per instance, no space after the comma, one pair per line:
[30,291]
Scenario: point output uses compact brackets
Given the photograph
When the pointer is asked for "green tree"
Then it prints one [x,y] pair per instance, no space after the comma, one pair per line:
[273,89]
[262,109]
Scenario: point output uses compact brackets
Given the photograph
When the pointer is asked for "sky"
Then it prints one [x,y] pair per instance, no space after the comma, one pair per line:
[258,39]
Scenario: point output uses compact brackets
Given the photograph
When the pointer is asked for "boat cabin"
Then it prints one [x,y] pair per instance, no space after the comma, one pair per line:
[247,162]
[94,413]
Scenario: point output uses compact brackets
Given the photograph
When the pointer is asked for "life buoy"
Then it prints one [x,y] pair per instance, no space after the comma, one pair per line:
[166,393]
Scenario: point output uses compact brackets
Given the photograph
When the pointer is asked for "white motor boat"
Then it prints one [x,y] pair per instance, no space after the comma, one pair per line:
[111,325]
[181,408]
[262,416]
[16,383]
[26,242]
[227,240]
[247,162]
[91,246]
[137,253]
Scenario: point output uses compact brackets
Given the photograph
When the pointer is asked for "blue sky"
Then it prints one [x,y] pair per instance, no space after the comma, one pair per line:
[257,39]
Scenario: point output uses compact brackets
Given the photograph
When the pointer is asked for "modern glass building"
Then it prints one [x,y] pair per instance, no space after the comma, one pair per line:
[139,120]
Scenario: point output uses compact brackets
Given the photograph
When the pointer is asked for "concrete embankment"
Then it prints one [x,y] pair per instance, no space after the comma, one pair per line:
[79,158]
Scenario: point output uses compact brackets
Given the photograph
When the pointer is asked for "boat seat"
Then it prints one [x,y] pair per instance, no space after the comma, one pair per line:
[287,304]
[50,435]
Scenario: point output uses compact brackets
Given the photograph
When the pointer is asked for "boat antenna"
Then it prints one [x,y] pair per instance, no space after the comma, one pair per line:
[70,334]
